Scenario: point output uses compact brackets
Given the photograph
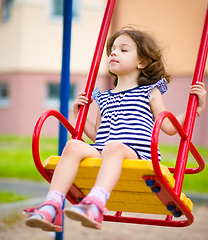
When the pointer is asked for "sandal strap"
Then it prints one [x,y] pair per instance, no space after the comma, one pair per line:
[93,200]
[29,210]
[55,204]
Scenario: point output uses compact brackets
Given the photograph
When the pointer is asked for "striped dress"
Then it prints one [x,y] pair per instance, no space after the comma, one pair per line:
[126,117]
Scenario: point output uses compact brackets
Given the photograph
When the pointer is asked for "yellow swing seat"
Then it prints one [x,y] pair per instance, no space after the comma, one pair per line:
[131,194]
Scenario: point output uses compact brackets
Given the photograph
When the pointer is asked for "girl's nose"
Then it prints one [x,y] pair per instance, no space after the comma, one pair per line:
[113,53]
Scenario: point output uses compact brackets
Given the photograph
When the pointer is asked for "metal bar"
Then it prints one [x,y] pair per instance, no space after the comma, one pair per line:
[36,137]
[191,110]
[65,82]
[156,165]
[151,222]
[198,158]
[65,73]
[82,115]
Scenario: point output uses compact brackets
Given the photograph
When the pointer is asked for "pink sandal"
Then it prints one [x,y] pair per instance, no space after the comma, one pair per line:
[88,219]
[46,223]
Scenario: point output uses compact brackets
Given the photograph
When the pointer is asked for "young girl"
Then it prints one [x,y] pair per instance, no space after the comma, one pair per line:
[123,129]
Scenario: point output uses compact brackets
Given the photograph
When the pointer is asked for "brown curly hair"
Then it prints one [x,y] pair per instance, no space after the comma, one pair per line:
[148,51]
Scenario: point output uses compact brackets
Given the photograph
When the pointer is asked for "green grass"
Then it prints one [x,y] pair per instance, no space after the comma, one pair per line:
[192,182]
[16,160]
[16,156]
[7,197]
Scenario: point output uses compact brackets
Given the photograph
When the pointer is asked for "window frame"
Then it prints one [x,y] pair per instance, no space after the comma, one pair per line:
[54,102]
[76,11]
[4,100]
[6,10]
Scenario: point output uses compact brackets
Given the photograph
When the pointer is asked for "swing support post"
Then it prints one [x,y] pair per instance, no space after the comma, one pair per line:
[191,110]
[65,83]
[91,79]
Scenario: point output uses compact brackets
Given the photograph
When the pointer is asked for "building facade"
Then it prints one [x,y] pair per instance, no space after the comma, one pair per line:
[31,55]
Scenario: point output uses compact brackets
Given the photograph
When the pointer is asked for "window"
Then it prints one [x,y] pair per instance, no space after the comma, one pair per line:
[53,91]
[53,94]
[4,95]
[57,9]
[73,95]
[6,9]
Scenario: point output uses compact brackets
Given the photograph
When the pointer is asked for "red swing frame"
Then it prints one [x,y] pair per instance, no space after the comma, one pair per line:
[185,133]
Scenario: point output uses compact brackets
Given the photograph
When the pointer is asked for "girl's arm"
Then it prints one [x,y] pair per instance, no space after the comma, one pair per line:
[90,128]
[157,105]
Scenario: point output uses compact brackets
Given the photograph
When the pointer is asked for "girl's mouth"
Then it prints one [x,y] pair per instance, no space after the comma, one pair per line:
[113,61]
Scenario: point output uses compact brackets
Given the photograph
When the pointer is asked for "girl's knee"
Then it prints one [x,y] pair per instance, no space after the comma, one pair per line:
[80,149]
[72,146]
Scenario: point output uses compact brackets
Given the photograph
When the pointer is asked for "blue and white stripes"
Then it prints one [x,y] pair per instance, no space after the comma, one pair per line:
[126,117]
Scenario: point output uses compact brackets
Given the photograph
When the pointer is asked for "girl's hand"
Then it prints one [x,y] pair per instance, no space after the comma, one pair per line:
[199,90]
[80,101]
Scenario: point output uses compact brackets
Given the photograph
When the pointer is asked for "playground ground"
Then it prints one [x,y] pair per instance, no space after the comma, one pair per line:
[115,231]
[110,231]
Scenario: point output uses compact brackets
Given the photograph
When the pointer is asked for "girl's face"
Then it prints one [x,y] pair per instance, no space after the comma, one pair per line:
[124,59]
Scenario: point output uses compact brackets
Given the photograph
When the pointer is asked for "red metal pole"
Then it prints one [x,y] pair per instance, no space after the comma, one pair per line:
[191,110]
[156,165]
[82,115]
[36,137]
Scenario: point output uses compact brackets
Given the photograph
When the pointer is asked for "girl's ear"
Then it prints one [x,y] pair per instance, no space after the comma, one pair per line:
[141,65]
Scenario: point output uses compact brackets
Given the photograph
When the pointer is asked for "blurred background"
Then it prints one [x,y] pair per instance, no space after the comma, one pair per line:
[30,71]
[31,55]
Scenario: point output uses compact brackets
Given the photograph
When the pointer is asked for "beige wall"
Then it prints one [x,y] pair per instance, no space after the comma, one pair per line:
[176,24]
[31,41]
[31,56]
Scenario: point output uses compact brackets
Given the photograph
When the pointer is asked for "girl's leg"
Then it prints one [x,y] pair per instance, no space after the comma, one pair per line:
[108,176]
[112,159]
[62,179]
[66,170]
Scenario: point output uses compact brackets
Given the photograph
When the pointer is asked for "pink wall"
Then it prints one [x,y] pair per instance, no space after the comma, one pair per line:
[27,96]
[176,100]
[28,92]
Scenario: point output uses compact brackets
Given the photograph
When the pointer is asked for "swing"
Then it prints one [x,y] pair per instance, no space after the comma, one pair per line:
[144,186]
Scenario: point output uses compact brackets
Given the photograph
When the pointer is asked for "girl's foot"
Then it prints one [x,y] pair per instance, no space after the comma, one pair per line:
[89,212]
[39,218]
